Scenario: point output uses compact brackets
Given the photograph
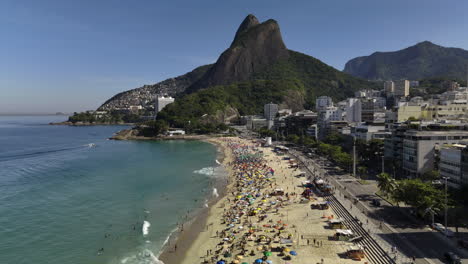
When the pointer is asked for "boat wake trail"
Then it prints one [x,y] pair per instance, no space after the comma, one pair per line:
[40,152]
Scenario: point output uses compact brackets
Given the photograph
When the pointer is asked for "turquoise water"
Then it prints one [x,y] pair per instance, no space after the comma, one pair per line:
[62,200]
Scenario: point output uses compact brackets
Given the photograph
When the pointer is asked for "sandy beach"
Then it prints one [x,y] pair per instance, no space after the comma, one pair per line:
[247,223]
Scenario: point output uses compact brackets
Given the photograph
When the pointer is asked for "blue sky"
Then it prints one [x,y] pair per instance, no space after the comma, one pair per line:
[72,55]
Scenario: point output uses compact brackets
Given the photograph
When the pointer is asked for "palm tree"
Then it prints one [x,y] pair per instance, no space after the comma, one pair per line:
[362,171]
[386,183]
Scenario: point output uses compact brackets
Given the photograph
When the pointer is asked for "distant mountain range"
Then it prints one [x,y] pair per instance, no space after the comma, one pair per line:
[423,60]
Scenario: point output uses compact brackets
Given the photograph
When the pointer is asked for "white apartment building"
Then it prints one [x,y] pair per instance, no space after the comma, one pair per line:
[161,102]
[450,164]
[369,132]
[419,148]
[325,116]
[353,110]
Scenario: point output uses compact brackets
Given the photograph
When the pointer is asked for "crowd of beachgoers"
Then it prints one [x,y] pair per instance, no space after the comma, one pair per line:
[267,215]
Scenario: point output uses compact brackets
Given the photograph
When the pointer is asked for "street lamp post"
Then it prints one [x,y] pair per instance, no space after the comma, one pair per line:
[354,156]
[446,206]
[383,164]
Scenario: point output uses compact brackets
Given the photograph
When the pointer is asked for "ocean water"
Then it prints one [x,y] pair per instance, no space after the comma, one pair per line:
[69,195]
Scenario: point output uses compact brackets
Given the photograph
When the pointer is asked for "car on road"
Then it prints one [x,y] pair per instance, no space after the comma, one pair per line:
[438,226]
[452,258]
[441,228]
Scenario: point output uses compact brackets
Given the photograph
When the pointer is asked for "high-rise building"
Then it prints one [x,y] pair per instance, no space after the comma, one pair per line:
[325,116]
[353,110]
[161,102]
[389,87]
[401,88]
[270,110]
[450,164]
[419,148]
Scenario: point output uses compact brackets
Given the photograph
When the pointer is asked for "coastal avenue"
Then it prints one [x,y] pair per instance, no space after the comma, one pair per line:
[396,227]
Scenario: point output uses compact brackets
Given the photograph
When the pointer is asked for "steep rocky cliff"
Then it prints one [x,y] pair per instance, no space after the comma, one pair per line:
[255,46]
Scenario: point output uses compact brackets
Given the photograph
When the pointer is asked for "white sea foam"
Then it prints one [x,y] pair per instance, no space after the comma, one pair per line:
[143,257]
[215,192]
[217,162]
[206,171]
[145,228]
[167,239]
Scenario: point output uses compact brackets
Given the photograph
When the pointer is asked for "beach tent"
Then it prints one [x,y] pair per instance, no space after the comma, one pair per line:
[343,234]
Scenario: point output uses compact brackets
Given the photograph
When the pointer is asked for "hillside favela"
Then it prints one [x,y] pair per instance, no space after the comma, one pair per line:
[246,132]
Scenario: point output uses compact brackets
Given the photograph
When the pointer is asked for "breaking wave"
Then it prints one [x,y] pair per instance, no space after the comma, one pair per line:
[145,228]
[143,257]
[206,171]
[215,192]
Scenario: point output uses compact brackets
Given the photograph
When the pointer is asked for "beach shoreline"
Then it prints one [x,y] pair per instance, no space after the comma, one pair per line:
[251,221]
[197,224]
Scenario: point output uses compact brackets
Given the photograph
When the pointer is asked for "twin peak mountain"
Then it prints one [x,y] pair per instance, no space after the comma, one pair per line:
[257,52]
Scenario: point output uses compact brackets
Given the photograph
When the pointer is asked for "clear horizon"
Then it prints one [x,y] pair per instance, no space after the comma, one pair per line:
[67,56]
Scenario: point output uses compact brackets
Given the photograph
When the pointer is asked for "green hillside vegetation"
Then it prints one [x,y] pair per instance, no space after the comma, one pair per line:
[300,73]
[247,97]
[423,60]
[317,77]
[430,86]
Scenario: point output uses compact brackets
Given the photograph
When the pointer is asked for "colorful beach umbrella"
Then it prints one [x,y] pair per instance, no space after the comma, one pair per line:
[258,261]
[221,262]
[294,253]
[267,253]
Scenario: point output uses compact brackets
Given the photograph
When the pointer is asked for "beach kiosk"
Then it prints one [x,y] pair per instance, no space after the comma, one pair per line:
[355,252]
[336,223]
[343,234]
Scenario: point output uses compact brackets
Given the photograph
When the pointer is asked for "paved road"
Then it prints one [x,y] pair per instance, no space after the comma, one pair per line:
[409,235]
